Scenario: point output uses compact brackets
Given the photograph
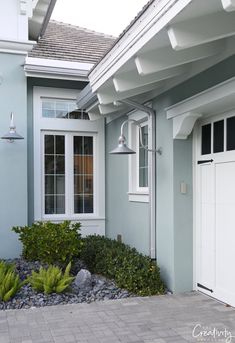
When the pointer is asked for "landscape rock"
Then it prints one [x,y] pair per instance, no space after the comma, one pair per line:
[83,280]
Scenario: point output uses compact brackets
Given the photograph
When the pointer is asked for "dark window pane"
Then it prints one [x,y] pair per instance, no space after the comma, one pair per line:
[49,144]
[206,139]
[60,145]
[60,165]
[49,204]
[88,145]
[60,204]
[78,165]
[88,204]
[78,204]
[49,164]
[218,145]
[143,177]
[231,133]
[77,145]
[60,185]
[78,184]
[88,184]
[49,185]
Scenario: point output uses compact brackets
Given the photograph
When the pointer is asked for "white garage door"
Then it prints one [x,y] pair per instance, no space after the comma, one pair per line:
[216,208]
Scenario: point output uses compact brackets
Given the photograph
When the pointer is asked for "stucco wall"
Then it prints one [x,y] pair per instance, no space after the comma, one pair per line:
[13,156]
[130,219]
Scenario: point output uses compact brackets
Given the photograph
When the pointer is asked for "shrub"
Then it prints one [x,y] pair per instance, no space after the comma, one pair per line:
[10,282]
[130,269]
[50,242]
[51,280]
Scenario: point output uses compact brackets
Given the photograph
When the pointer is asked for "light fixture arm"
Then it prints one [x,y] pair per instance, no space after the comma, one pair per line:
[159,151]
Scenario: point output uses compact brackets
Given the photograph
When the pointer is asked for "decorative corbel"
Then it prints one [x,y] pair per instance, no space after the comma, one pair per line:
[183,124]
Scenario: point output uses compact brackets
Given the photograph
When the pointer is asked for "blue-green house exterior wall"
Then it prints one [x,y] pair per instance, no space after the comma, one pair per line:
[174,211]
[13,156]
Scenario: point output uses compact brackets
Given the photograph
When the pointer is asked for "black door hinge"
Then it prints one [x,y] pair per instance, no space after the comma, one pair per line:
[204,287]
[204,161]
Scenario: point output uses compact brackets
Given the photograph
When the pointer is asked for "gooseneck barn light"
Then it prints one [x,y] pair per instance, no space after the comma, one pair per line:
[122,148]
[12,134]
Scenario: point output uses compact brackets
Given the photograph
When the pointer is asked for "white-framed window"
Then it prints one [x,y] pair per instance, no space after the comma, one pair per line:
[139,162]
[69,172]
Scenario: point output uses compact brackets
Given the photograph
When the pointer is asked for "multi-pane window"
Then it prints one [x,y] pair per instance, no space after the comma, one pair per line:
[63,109]
[54,174]
[83,174]
[143,159]
[218,136]
[68,165]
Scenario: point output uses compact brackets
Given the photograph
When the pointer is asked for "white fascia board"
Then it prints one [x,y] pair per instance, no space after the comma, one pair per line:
[40,67]
[154,19]
[16,47]
[197,102]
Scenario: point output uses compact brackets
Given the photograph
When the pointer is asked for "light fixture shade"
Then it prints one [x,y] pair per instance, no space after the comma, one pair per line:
[122,149]
[12,134]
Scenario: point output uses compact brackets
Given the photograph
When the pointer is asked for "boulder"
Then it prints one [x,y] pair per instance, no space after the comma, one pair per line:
[83,280]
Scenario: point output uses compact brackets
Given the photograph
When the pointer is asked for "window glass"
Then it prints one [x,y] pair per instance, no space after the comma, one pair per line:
[231,133]
[83,174]
[143,158]
[54,174]
[63,109]
[206,139]
[218,144]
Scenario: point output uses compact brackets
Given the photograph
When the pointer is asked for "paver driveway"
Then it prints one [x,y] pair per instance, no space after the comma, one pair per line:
[171,318]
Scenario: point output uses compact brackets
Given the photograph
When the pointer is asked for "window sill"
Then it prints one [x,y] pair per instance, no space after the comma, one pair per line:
[138,197]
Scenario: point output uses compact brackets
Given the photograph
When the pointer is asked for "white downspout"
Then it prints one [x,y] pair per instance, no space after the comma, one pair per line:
[151,173]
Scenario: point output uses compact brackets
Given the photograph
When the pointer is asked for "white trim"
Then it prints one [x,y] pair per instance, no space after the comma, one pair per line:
[46,68]
[16,46]
[69,127]
[136,193]
[154,19]
[199,101]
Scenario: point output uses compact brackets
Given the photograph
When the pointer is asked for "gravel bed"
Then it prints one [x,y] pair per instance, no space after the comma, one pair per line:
[102,289]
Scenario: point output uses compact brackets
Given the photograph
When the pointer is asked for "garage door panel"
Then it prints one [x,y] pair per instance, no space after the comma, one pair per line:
[225,229]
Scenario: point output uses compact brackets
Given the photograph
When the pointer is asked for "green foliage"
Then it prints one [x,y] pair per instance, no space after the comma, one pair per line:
[9,281]
[50,242]
[130,269]
[51,280]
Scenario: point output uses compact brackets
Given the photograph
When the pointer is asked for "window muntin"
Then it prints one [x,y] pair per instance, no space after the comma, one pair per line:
[54,174]
[83,174]
[218,136]
[143,159]
[62,109]
[58,174]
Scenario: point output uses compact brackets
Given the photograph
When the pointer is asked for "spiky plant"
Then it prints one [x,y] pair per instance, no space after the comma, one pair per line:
[10,282]
[51,280]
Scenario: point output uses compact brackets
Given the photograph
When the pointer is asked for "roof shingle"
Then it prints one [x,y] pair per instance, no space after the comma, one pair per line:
[72,43]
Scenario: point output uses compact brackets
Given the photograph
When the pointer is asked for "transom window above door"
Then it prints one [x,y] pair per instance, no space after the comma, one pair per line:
[62,109]
[218,136]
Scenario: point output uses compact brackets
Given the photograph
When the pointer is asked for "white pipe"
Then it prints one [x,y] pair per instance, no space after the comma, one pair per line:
[151,173]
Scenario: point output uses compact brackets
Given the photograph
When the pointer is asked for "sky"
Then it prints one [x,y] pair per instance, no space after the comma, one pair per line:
[107,16]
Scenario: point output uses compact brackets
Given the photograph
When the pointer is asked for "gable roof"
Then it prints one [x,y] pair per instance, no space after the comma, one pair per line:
[71,43]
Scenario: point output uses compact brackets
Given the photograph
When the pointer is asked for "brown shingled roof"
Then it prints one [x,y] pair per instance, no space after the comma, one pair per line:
[72,43]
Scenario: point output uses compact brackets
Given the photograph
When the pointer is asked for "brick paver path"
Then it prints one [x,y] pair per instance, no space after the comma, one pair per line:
[138,320]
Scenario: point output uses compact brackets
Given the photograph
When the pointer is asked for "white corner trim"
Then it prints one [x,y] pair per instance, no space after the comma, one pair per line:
[41,67]
[201,102]
[183,124]
[16,47]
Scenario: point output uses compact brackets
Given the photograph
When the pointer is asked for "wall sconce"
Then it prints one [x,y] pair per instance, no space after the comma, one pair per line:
[12,134]
[122,148]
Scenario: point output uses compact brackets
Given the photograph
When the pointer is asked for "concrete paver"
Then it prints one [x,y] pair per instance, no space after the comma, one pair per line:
[188,317]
